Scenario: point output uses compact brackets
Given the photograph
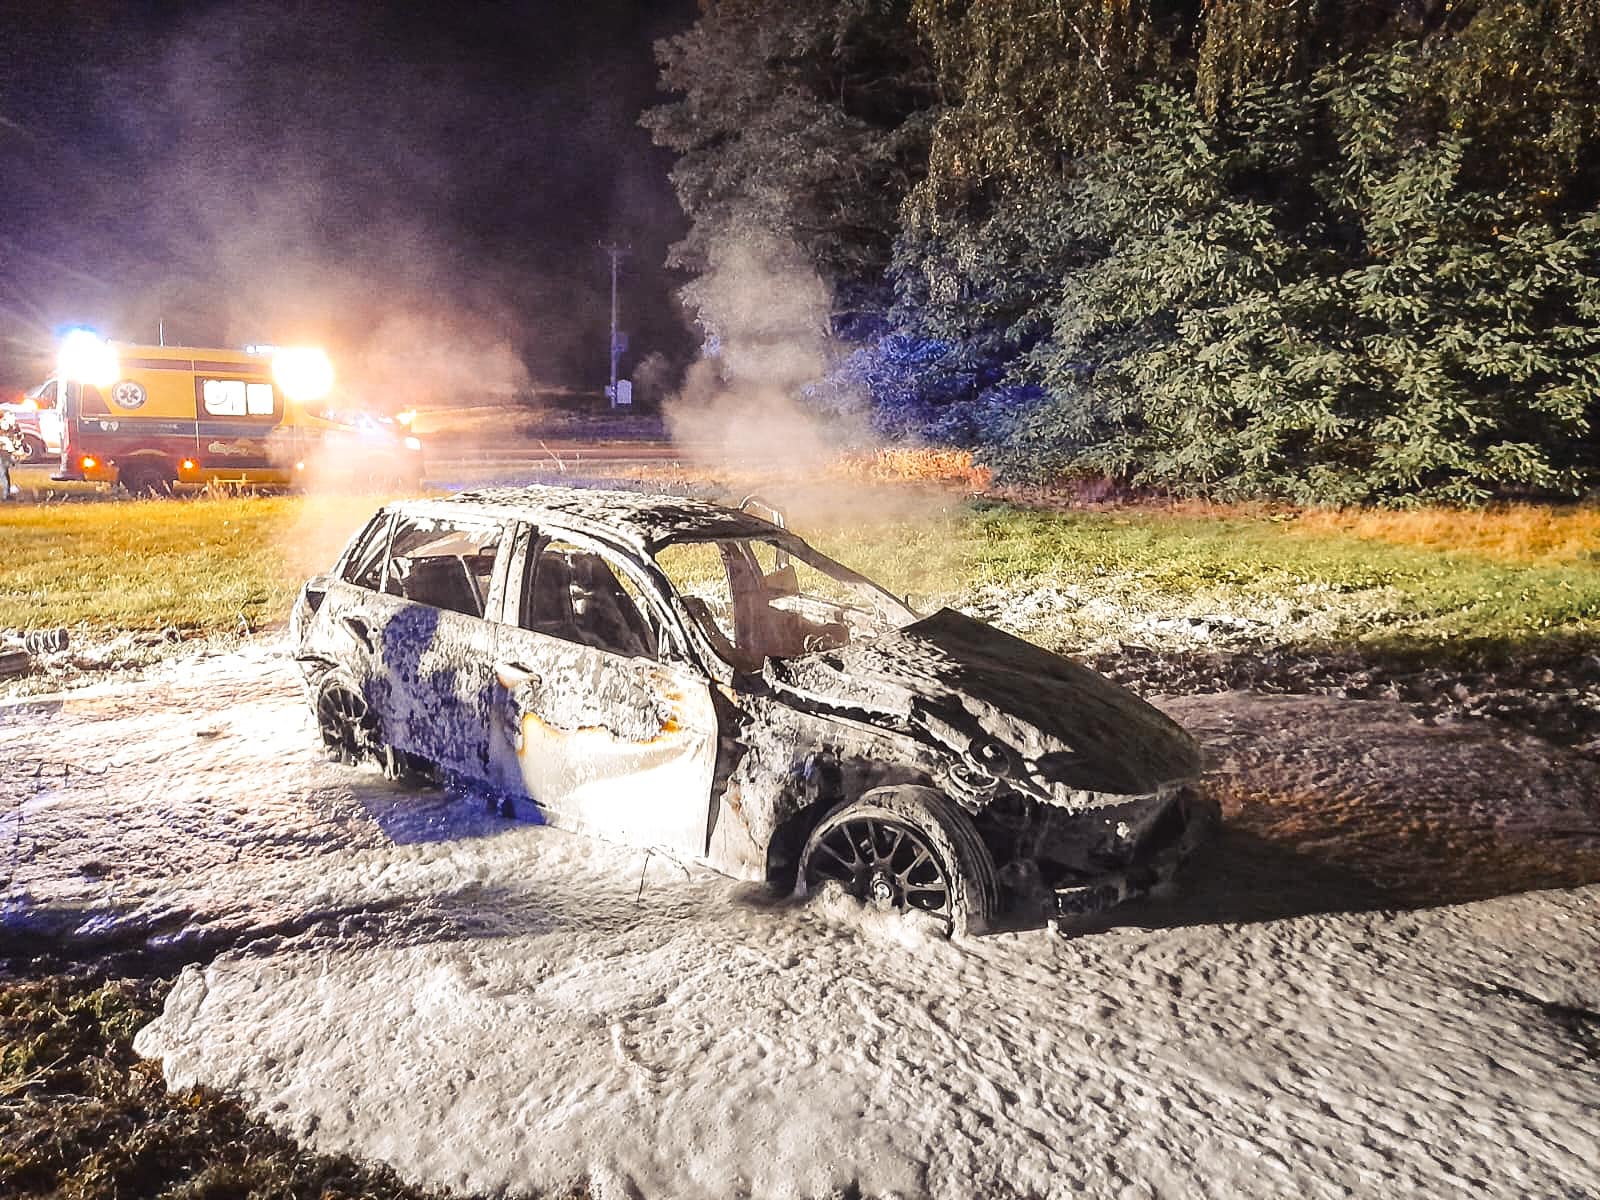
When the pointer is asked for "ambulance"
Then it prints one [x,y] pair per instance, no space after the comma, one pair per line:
[153,417]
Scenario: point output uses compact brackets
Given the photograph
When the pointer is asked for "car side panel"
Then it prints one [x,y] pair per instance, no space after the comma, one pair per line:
[625,747]
[435,693]
[427,674]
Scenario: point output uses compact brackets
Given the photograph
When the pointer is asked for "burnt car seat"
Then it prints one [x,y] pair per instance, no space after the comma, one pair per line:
[442,582]
[603,614]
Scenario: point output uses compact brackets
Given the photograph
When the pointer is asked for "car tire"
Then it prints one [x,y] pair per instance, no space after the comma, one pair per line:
[33,450]
[346,722]
[349,730]
[905,848]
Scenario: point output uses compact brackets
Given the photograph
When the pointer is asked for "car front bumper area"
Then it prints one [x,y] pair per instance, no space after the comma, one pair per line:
[1183,827]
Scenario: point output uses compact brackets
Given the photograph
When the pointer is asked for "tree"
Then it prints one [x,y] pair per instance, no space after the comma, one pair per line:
[1410,339]
[1324,249]
[805,122]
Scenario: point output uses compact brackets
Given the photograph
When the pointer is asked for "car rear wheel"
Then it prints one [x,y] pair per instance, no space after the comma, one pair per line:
[906,849]
[348,727]
[148,479]
[349,731]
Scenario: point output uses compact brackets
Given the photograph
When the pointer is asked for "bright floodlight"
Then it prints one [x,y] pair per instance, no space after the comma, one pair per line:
[86,358]
[304,373]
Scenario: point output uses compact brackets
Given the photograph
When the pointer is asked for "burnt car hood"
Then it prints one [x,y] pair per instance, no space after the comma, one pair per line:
[963,682]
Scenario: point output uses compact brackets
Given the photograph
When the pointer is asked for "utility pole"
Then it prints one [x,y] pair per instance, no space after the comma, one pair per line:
[618,340]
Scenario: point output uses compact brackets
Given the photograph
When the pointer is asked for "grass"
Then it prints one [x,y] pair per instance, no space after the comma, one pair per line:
[1367,589]
[1521,533]
[1079,578]
[1423,580]
[84,1118]
[199,565]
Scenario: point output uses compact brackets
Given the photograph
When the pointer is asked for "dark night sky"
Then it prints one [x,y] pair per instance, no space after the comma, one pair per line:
[377,177]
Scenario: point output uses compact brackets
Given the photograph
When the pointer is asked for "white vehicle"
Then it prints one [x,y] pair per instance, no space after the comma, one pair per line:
[674,673]
[38,421]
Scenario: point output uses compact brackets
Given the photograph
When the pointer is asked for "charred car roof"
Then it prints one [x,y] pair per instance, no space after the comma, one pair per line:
[643,520]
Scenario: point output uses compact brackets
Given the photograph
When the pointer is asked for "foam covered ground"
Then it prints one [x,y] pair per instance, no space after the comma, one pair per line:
[1382,979]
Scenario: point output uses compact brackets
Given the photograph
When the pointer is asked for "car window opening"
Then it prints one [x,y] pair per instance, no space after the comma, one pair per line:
[574,594]
[758,598]
[364,566]
[449,569]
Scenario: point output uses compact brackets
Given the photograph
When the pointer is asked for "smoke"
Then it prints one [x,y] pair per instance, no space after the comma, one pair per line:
[760,411]
[426,360]
[392,184]
[743,407]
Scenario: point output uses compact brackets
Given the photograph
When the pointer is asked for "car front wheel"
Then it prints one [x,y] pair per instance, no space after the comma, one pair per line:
[905,848]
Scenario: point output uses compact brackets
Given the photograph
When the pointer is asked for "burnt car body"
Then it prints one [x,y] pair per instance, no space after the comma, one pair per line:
[684,675]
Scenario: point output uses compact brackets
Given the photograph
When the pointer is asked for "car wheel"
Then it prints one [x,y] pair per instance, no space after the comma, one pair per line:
[33,450]
[905,848]
[349,731]
[345,720]
[148,479]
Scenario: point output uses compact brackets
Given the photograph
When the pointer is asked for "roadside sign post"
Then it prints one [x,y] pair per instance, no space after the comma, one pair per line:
[619,341]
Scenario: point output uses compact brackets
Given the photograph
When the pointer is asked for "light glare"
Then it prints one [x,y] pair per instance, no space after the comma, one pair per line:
[303,372]
[87,358]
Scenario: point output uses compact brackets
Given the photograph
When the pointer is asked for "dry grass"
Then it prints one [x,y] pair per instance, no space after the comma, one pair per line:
[928,464]
[208,563]
[1508,533]
[1518,533]
[212,564]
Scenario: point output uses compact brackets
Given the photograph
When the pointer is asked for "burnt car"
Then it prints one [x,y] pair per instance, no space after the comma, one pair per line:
[689,676]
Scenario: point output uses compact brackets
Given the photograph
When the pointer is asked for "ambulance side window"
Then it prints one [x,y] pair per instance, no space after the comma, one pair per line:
[236,398]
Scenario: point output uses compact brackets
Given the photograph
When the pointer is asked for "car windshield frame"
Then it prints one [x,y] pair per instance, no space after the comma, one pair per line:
[878,602]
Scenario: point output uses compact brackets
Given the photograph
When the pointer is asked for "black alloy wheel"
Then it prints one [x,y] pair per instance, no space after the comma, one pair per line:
[349,731]
[905,849]
[147,479]
[881,861]
[348,728]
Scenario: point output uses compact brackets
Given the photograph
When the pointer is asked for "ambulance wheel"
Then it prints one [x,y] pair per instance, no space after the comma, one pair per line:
[33,450]
[148,479]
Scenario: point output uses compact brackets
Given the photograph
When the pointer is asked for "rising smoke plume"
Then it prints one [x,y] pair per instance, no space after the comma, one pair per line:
[749,404]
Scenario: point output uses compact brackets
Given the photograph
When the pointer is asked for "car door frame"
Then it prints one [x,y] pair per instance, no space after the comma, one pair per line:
[429,672]
[594,730]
